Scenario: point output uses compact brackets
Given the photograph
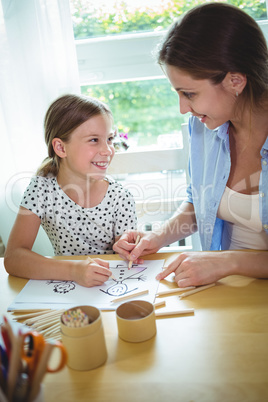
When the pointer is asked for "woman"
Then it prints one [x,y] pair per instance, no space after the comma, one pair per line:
[216,58]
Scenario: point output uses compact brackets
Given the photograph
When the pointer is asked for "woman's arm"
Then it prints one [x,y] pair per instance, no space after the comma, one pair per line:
[21,261]
[178,227]
[201,268]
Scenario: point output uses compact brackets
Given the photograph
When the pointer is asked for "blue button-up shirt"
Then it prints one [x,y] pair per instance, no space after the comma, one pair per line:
[209,168]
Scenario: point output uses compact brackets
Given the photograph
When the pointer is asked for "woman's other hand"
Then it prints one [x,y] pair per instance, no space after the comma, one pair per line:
[199,268]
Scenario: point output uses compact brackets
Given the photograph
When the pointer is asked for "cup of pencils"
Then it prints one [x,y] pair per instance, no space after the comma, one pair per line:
[25,359]
[136,321]
[83,336]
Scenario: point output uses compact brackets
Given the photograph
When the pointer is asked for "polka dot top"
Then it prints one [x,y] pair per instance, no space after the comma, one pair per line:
[74,230]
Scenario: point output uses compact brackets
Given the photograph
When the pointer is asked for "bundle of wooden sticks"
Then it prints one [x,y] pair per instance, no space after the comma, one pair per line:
[46,322]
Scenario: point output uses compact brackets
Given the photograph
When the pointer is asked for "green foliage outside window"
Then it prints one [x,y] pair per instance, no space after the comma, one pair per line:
[142,109]
[93,18]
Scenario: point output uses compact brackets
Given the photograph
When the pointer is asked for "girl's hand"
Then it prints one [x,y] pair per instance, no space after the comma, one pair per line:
[88,273]
[199,268]
[127,249]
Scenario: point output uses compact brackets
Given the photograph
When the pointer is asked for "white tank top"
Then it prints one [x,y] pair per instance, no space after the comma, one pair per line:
[242,224]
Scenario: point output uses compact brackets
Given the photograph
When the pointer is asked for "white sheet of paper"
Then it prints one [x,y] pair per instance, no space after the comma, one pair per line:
[56,294]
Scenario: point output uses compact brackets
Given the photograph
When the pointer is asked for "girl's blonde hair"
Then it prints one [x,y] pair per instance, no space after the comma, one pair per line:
[63,116]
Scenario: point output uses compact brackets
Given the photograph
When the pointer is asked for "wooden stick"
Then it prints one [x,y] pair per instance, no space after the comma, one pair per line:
[51,329]
[32,321]
[28,310]
[136,242]
[39,324]
[196,290]
[42,320]
[142,292]
[175,290]
[56,337]
[47,324]
[57,325]
[174,312]
[29,315]
[51,314]
[161,303]
[52,334]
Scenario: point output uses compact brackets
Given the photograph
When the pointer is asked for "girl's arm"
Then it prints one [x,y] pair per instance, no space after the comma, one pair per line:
[21,261]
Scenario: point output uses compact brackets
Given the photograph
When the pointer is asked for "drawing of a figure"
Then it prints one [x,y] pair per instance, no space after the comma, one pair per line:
[62,286]
[121,288]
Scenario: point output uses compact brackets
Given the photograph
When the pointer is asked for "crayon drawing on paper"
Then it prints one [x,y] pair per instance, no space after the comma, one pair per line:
[57,294]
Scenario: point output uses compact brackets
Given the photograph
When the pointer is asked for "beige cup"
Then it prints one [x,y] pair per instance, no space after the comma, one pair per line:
[86,345]
[136,321]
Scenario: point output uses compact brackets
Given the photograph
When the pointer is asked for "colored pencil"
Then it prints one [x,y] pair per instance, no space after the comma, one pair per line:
[161,303]
[191,292]
[175,290]
[51,314]
[28,315]
[136,242]
[174,312]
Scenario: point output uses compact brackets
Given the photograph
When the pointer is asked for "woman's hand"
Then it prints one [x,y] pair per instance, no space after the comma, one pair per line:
[151,242]
[199,268]
[88,273]
[127,249]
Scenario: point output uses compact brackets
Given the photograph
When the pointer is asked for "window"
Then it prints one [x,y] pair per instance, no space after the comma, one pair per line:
[114,42]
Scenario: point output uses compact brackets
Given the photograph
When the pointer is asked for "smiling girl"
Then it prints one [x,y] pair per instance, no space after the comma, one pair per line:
[82,211]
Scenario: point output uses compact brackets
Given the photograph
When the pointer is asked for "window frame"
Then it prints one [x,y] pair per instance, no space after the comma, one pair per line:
[117,58]
[123,57]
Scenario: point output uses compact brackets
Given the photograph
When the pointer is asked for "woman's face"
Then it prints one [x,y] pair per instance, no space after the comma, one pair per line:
[212,104]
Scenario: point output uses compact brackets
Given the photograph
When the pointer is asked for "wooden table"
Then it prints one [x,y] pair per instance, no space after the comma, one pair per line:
[218,354]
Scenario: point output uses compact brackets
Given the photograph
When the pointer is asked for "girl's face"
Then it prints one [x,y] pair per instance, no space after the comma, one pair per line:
[90,149]
[212,104]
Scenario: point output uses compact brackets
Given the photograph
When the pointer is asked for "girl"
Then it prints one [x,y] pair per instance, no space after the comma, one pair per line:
[82,211]
[216,58]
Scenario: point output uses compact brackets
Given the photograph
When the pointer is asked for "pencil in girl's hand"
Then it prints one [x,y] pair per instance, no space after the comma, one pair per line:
[136,242]
[90,260]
